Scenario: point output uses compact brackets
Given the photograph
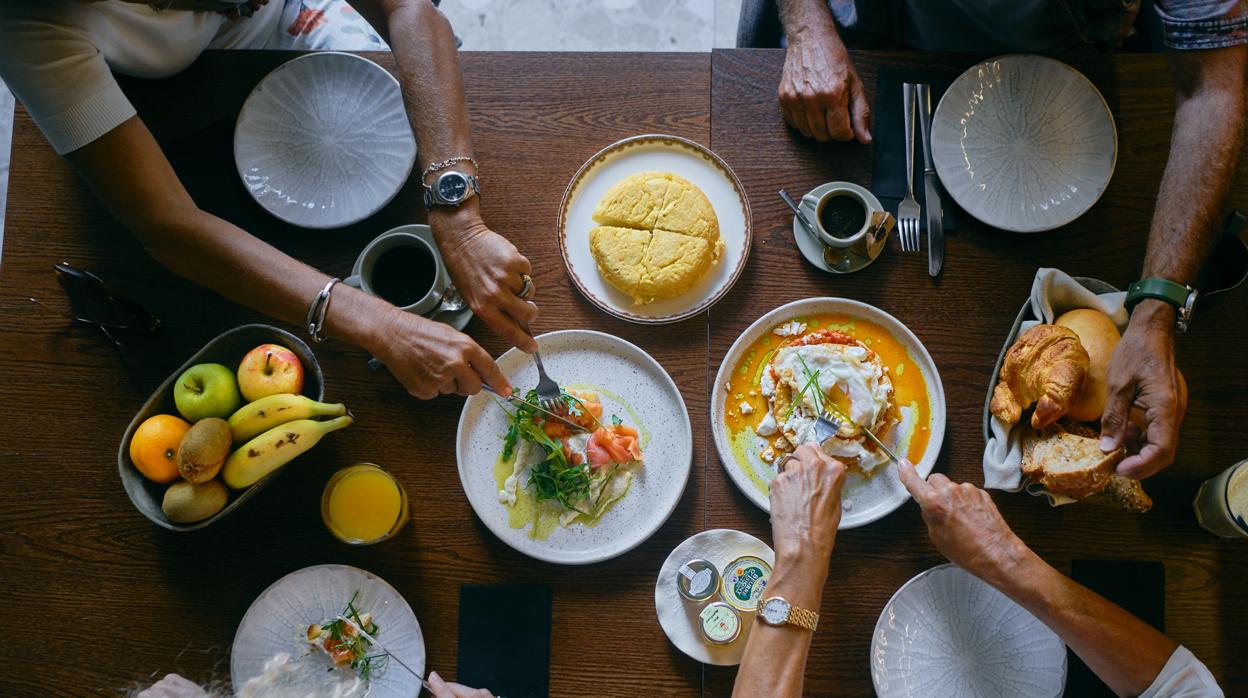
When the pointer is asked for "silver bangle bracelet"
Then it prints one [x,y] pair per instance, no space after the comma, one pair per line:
[318,310]
[443,164]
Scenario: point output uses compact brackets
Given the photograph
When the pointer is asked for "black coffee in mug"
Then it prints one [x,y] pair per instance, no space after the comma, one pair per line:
[404,274]
[842,216]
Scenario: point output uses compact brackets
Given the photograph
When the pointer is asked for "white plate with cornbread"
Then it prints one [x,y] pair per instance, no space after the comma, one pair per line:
[654,229]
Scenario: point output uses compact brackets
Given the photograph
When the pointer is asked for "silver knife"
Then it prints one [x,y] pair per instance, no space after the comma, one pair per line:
[931,192]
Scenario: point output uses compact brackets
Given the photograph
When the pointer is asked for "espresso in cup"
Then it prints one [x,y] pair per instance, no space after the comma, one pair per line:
[404,274]
[842,215]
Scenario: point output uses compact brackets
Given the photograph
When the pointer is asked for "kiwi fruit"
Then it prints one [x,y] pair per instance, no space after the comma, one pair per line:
[188,502]
[203,450]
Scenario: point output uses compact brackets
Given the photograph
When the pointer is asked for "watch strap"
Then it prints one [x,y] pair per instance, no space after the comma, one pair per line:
[1182,297]
[802,618]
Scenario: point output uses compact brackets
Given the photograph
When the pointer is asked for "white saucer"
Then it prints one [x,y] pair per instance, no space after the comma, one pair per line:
[679,618]
[812,249]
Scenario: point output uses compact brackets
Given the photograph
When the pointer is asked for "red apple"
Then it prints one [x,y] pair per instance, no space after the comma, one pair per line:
[269,369]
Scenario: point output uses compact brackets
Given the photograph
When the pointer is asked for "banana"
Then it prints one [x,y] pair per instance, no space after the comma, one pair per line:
[275,448]
[257,417]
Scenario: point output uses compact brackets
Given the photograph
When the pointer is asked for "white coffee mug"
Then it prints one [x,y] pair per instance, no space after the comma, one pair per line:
[362,274]
[813,206]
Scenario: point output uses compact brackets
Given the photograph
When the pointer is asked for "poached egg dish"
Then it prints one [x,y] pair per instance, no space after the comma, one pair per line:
[822,368]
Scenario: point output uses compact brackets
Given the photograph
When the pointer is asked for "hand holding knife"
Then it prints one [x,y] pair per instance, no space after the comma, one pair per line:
[931,194]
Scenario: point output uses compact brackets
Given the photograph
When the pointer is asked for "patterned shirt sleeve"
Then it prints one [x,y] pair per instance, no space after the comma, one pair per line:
[1203,24]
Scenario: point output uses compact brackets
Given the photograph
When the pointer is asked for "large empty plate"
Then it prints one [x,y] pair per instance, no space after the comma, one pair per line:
[630,384]
[323,141]
[1024,143]
[946,633]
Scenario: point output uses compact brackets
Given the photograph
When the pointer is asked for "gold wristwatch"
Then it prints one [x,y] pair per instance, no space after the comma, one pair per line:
[778,611]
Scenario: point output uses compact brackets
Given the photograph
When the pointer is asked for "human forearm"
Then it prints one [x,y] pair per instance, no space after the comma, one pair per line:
[1205,147]
[801,17]
[1125,652]
[774,662]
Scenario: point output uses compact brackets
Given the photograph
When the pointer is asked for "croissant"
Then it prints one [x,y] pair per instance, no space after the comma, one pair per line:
[1046,365]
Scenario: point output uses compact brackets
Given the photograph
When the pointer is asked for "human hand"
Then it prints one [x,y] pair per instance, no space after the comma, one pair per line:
[446,689]
[431,358]
[1142,375]
[965,525]
[820,93]
[806,508]
[488,271]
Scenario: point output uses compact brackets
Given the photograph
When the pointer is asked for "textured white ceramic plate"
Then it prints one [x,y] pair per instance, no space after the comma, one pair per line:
[864,499]
[946,633]
[1024,143]
[277,619]
[632,385]
[643,154]
[323,141]
[679,618]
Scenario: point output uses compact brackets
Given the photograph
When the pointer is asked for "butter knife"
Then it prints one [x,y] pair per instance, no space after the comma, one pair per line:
[931,192]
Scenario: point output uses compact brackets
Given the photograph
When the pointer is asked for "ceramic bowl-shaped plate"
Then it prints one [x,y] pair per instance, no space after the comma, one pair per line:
[227,349]
[323,141]
[864,499]
[946,633]
[631,385]
[277,619]
[664,154]
[1024,143]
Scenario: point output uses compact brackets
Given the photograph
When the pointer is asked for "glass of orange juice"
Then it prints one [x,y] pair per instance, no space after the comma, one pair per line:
[363,504]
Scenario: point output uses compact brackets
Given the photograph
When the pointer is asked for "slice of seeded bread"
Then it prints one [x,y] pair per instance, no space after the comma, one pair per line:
[1066,463]
[1124,492]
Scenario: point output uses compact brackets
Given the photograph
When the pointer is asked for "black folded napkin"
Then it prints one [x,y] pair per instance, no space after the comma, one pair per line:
[1139,586]
[888,179]
[504,639]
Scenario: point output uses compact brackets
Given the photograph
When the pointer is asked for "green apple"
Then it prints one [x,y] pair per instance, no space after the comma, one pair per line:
[206,390]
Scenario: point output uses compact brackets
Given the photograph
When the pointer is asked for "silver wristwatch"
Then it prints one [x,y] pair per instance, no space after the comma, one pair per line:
[451,188]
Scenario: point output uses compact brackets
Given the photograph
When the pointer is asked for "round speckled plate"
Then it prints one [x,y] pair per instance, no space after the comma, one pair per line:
[946,633]
[630,384]
[679,618]
[274,621]
[864,499]
[666,154]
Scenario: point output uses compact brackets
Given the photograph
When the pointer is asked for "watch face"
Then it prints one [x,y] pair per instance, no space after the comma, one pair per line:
[452,186]
[776,611]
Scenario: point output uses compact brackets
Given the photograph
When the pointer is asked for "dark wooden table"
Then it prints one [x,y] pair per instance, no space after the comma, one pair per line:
[118,600]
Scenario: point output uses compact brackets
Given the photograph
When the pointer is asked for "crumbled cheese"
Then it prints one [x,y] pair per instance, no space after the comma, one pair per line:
[746,408]
[768,455]
[753,393]
[782,443]
[767,427]
[790,329]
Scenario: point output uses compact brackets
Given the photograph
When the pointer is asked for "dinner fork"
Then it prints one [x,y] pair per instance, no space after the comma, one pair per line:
[549,394]
[908,211]
[832,419]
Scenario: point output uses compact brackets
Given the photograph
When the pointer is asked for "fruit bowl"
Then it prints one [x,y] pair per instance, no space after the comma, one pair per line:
[227,348]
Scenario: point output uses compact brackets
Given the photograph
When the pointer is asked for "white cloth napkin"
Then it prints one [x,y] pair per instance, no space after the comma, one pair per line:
[1053,292]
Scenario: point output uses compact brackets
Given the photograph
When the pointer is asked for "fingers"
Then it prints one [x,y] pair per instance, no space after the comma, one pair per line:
[438,686]
[796,116]
[446,689]
[837,119]
[859,112]
[918,488]
[506,325]
[1159,451]
[1114,420]
[489,372]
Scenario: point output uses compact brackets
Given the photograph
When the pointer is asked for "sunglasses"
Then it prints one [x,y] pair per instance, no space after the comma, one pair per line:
[97,305]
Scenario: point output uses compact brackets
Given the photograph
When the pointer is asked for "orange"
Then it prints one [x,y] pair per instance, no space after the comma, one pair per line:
[154,447]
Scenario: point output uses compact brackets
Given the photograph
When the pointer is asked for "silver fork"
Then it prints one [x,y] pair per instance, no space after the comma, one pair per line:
[830,423]
[549,395]
[908,211]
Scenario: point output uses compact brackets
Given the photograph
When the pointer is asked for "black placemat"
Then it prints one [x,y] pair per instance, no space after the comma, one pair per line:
[1137,586]
[888,177]
[504,639]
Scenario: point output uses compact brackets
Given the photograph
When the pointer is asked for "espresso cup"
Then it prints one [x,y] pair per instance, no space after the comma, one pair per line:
[403,268]
[842,239]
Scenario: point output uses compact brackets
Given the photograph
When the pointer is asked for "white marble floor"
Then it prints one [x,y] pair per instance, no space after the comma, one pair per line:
[540,25]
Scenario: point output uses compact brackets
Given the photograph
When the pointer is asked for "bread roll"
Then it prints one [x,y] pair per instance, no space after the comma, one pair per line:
[1098,335]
